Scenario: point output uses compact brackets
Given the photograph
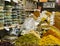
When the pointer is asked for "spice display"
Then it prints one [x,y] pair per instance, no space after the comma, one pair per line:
[36,33]
[27,40]
[57,20]
[49,40]
[53,31]
[29,23]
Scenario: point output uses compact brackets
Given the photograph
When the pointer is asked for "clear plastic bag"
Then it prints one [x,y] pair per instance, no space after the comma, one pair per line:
[28,25]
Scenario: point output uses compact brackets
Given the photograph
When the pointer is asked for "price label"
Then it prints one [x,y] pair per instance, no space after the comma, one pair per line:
[49,5]
[8,0]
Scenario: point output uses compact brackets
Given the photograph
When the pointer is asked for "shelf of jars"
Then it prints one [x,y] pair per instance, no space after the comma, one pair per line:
[1,13]
[1,18]
[17,18]
[7,20]
[17,13]
[22,17]
[7,15]
[14,22]
[14,16]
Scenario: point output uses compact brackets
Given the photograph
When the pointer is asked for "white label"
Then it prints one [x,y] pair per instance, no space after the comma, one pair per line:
[49,5]
[8,0]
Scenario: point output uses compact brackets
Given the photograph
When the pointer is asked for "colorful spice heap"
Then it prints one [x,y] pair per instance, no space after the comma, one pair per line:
[27,40]
[49,40]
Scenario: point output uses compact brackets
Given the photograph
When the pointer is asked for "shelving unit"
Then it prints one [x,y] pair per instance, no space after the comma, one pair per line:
[21,11]
[15,13]
[1,18]
[7,17]
[1,13]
